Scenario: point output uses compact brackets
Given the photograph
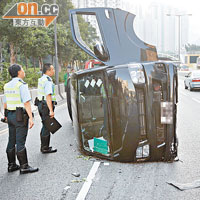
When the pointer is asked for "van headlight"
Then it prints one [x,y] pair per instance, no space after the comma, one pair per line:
[142,151]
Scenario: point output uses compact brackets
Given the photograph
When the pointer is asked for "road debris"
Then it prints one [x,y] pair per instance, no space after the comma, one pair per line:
[64,192]
[84,157]
[79,180]
[185,186]
[76,174]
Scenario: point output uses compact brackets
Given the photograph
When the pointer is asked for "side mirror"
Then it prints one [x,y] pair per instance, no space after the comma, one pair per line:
[100,52]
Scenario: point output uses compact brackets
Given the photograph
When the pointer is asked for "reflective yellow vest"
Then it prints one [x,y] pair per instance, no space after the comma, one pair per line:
[13,98]
[41,91]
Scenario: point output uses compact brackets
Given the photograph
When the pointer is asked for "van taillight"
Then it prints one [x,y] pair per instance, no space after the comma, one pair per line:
[195,80]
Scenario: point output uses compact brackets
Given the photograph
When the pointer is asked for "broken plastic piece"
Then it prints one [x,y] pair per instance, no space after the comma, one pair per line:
[76,174]
[185,186]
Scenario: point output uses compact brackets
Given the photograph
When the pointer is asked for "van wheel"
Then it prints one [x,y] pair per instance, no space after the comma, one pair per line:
[190,88]
[69,99]
[186,87]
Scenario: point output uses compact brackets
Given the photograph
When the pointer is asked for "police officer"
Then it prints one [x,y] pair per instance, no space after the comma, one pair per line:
[46,104]
[19,116]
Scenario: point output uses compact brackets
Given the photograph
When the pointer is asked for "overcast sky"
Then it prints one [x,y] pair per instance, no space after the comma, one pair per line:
[187,6]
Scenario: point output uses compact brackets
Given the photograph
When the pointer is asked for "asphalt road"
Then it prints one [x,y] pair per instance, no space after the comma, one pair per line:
[109,180]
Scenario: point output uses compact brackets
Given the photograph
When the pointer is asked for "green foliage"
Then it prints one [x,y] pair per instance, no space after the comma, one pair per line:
[28,44]
[37,42]
[4,76]
[31,76]
[64,7]
[61,76]
[3,4]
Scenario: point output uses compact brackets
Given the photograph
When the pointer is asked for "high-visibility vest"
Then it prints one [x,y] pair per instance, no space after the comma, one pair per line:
[13,98]
[41,91]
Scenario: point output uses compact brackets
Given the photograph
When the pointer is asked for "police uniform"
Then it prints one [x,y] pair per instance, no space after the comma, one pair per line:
[45,87]
[16,93]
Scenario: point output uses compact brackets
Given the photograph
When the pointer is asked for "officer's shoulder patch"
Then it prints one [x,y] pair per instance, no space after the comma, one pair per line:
[22,81]
[48,78]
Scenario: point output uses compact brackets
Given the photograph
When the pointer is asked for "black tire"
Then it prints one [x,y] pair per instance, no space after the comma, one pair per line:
[69,99]
[190,88]
[185,86]
[174,140]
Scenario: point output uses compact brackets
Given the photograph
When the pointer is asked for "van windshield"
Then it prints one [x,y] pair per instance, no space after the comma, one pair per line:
[93,113]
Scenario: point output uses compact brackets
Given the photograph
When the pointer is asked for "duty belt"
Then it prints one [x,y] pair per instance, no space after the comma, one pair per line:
[11,110]
[44,101]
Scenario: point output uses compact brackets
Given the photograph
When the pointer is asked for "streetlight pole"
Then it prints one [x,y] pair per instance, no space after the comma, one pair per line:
[56,57]
[179,32]
[56,52]
[179,37]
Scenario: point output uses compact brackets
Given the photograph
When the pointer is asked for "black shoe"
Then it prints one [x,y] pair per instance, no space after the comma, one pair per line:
[13,167]
[45,140]
[24,167]
[48,150]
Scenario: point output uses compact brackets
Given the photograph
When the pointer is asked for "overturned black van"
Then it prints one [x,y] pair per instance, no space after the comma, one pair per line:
[126,109]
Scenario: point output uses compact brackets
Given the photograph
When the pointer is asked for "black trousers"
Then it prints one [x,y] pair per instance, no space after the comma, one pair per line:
[17,133]
[44,112]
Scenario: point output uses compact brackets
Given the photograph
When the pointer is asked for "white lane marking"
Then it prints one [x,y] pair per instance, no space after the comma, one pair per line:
[106,164]
[198,101]
[86,186]
[4,131]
